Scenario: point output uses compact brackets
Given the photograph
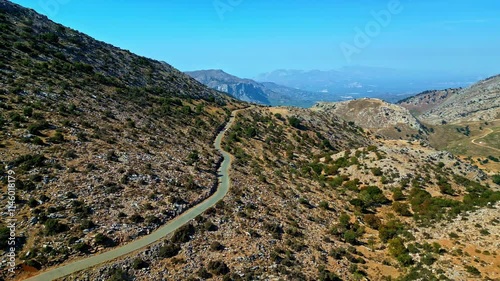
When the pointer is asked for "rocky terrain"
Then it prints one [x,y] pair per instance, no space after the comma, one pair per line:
[330,203]
[427,100]
[242,89]
[479,102]
[386,119]
[107,146]
[252,91]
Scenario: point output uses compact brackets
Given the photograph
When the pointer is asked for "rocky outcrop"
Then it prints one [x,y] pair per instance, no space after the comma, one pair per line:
[375,114]
[252,91]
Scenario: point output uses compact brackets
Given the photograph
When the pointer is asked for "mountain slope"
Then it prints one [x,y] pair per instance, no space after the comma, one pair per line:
[387,119]
[251,91]
[314,198]
[427,100]
[106,145]
[242,89]
[480,102]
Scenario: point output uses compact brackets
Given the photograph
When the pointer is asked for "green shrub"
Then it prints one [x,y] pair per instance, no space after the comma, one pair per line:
[324,205]
[119,275]
[275,229]
[372,196]
[37,127]
[139,263]
[390,230]
[53,226]
[183,234]
[377,172]
[402,209]
[294,122]
[350,237]
[103,240]
[216,246]
[372,221]
[203,273]
[4,235]
[28,111]
[397,194]
[496,179]
[57,138]
[136,218]
[27,162]
[33,203]
[87,224]
[169,250]
[37,141]
[398,250]
[472,270]
[325,275]
[218,267]
[34,263]
[15,117]
[82,247]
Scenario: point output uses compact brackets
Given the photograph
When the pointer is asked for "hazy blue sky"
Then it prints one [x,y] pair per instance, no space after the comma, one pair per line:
[247,37]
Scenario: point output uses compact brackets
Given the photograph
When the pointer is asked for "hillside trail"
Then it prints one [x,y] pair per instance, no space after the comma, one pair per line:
[474,141]
[160,233]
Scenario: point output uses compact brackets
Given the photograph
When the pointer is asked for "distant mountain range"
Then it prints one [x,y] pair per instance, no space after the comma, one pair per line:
[374,82]
[266,93]
[305,88]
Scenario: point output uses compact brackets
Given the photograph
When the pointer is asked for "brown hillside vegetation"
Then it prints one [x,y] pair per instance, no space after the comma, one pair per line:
[427,100]
[305,206]
[389,120]
[107,146]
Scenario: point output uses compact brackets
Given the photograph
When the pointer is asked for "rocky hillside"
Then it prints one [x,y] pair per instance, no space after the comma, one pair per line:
[251,91]
[387,119]
[314,198]
[106,145]
[427,100]
[479,102]
[242,89]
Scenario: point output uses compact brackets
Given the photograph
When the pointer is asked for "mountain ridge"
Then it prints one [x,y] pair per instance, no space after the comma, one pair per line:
[249,90]
[479,102]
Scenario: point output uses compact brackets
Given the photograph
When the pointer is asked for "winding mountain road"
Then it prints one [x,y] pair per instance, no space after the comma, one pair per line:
[474,141]
[160,233]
